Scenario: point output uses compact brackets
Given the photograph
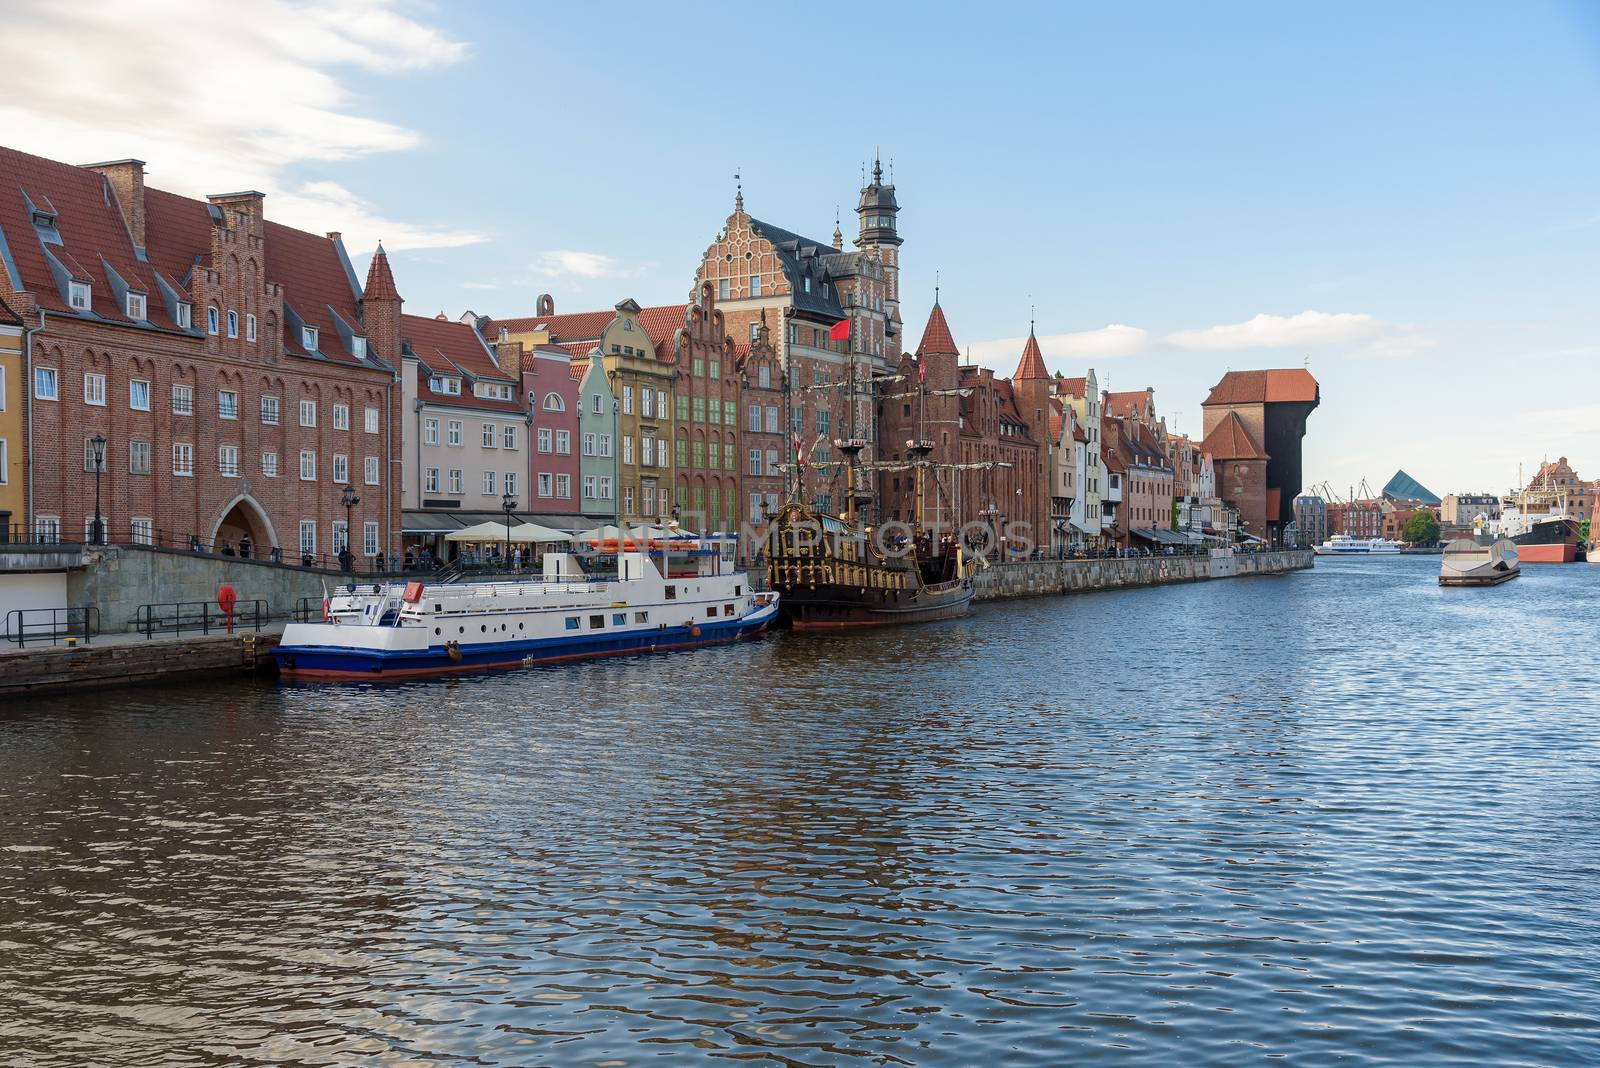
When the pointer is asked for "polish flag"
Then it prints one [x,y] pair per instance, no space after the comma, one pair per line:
[799,452]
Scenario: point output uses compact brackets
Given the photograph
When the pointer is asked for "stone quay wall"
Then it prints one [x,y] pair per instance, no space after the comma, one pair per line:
[1035,578]
[51,669]
[117,579]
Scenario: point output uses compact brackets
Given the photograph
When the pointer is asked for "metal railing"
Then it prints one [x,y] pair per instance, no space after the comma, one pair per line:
[25,535]
[52,625]
[176,617]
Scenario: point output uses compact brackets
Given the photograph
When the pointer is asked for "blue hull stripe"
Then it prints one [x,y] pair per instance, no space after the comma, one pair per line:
[337,661]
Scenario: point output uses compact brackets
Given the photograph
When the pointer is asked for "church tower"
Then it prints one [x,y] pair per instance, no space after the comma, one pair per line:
[879,213]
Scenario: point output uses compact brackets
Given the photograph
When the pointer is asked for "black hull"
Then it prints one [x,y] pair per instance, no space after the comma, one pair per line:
[849,608]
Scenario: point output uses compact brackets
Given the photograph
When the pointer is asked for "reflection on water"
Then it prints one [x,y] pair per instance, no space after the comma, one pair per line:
[1340,816]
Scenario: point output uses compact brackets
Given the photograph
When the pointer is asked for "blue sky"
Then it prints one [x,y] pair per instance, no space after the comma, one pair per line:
[1404,195]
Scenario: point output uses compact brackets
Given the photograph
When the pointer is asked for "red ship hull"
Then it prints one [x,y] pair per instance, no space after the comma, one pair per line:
[1548,553]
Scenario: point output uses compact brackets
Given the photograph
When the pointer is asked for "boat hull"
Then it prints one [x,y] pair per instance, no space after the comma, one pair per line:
[1491,578]
[831,608]
[325,662]
[1548,552]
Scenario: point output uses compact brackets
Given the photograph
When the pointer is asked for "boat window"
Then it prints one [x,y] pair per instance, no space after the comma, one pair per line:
[672,593]
[572,622]
[641,617]
[727,609]
[619,619]
[711,613]
[737,590]
[597,622]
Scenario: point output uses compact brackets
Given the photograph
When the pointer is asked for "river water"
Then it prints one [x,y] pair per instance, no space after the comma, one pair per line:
[1342,816]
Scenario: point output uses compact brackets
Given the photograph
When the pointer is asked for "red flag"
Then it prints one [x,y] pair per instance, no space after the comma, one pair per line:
[839,331]
[799,452]
[922,370]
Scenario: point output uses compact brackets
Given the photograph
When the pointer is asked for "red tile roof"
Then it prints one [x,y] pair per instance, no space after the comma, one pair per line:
[9,317]
[178,232]
[91,230]
[936,336]
[576,326]
[1032,363]
[443,345]
[1056,419]
[1071,387]
[660,323]
[380,280]
[1129,402]
[1274,386]
[1231,440]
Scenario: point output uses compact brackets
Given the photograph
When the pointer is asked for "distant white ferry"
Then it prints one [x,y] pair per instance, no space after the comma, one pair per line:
[1345,545]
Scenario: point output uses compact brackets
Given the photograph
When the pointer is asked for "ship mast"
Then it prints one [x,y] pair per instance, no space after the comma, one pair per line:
[919,447]
[851,446]
[794,488]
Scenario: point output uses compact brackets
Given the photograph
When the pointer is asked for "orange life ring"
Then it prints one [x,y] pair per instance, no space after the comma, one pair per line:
[694,630]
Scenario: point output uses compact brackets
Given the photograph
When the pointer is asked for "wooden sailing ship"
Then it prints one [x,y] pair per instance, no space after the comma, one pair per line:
[835,573]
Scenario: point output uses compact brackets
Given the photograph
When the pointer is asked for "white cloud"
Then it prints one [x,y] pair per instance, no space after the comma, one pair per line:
[583,264]
[1358,332]
[1282,331]
[221,100]
[1114,339]
[479,285]
[351,215]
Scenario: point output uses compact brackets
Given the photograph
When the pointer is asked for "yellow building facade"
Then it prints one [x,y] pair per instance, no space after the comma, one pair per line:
[642,385]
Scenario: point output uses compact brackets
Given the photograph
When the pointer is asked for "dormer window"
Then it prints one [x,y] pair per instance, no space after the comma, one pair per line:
[358,347]
[78,295]
[184,316]
[308,338]
[136,307]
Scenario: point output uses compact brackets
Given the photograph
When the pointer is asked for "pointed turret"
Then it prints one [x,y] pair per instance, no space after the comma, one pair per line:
[1032,363]
[380,309]
[936,338]
[380,279]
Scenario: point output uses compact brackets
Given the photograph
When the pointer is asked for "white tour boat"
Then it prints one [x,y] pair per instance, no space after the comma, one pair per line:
[412,629]
[1345,545]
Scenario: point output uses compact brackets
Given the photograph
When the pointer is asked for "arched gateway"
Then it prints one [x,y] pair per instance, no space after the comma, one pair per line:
[243,517]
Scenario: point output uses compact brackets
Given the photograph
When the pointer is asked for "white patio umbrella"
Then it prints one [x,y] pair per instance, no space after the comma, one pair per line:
[481,532]
[537,533]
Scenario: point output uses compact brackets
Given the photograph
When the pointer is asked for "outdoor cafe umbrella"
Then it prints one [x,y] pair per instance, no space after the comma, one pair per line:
[538,533]
[489,531]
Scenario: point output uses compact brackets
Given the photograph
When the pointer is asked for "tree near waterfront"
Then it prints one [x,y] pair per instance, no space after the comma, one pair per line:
[1420,529]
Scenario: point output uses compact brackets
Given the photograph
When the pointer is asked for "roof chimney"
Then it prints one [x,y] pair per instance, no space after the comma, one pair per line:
[127,181]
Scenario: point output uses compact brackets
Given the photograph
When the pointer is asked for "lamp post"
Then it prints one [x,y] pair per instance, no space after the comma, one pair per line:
[508,504]
[349,499]
[97,532]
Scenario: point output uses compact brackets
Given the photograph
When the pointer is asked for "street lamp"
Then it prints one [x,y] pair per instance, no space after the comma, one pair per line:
[508,504]
[97,532]
[349,499]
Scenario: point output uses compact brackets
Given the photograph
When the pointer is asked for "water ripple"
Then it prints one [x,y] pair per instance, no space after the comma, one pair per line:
[1339,817]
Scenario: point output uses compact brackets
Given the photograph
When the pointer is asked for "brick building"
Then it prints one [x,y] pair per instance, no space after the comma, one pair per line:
[802,287]
[986,463]
[13,431]
[225,359]
[1254,422]
[1358,519]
